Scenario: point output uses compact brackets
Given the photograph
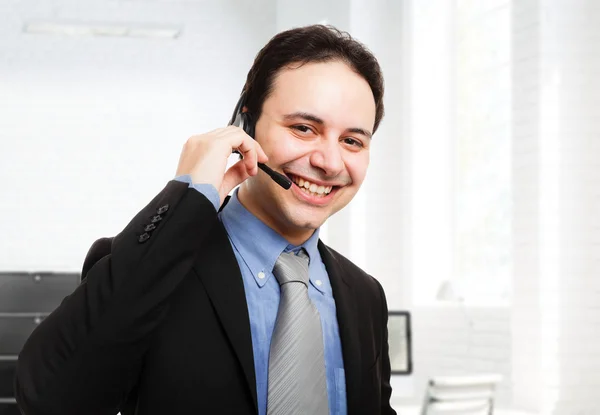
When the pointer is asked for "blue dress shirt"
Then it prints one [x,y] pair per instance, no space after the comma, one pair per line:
[257,247]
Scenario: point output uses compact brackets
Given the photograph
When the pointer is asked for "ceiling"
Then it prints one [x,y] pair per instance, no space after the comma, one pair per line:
[205,26]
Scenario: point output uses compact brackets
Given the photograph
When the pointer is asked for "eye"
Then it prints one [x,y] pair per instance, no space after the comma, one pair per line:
[353,142]
[302,128]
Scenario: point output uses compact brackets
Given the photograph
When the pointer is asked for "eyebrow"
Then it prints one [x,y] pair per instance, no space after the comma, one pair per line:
[311,117]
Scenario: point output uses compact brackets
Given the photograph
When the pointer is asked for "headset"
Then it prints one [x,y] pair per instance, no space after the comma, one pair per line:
[246,121]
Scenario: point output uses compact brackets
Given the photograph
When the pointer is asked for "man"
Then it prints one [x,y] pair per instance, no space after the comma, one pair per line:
[208,304]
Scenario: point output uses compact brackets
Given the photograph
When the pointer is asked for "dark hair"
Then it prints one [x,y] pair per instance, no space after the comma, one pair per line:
[315,43]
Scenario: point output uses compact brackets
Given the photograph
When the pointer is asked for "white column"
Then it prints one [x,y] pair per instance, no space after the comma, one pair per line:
[430,133]
[556,167]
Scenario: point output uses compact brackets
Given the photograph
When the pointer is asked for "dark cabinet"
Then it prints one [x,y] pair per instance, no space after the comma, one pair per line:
[34,292]
[8,408]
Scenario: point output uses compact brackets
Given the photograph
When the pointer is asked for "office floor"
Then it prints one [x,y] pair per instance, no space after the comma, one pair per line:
[404,409]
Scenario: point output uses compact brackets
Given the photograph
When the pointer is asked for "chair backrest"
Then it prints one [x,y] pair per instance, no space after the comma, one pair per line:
[25,300]
[461,395]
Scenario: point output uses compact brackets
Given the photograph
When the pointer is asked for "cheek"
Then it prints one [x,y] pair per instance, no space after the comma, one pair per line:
[357,167]
[271,139]
[282,147]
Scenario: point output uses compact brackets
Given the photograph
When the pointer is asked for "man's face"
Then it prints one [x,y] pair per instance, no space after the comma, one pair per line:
[315,127]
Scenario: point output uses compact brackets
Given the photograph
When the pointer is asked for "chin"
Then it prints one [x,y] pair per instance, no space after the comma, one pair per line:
[300,218]
[309,224]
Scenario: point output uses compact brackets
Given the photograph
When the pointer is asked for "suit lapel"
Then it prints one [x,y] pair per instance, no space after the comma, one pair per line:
[219,272]
[345,304]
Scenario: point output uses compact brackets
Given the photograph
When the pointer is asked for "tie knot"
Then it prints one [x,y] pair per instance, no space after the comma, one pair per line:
[292,268]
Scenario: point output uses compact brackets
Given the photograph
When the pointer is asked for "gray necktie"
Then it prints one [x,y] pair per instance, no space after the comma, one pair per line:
[297,381]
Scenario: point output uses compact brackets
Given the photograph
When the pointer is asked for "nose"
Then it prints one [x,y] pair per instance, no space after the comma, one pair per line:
[328,157]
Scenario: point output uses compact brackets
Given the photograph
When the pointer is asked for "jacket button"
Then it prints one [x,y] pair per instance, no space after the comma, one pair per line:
[156,219]
[150,228]
[144,237]
[162,209]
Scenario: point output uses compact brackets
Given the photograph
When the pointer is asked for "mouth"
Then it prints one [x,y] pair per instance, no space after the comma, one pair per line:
[312,188]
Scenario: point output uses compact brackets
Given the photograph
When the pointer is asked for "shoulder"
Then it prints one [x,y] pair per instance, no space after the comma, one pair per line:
[99,249]
[355,275]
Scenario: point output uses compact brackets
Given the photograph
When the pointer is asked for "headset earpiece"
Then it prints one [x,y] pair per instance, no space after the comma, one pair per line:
[248,123]
[242,119]
[245,121]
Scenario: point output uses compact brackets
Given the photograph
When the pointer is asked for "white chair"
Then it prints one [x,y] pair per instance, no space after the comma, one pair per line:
[461,395]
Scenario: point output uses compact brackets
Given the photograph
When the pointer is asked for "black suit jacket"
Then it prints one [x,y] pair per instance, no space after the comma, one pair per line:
[159,325]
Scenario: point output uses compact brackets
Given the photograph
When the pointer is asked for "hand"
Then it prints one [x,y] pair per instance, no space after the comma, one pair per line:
[204,157]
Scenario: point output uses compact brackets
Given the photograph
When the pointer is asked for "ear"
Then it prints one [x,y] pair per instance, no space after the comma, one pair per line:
[244,109]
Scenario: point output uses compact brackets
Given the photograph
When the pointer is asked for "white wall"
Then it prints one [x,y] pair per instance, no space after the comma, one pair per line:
[452,340]
[91,128]
[556,168]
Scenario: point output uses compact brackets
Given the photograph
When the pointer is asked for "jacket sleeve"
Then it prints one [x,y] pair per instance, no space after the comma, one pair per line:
[86,356]
[386,388]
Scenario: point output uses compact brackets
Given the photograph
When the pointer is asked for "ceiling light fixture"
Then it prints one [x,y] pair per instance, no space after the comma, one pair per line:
[101,29]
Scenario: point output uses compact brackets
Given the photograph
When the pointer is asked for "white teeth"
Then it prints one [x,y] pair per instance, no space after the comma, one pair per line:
[311,187]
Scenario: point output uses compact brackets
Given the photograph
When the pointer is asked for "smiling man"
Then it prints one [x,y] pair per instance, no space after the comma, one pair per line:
[320,138]
[214,304]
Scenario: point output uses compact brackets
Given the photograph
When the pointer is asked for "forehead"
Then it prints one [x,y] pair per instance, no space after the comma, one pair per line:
[330,90]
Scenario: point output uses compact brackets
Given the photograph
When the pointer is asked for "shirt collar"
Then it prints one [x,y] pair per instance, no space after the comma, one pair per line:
[259,245]
[312,249]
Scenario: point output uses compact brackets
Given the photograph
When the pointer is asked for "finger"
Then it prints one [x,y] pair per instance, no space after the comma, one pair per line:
[262,156]
[247,148]
[219,131]
[235,175]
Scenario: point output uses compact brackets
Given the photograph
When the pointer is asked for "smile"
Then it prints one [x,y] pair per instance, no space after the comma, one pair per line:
[310,188]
